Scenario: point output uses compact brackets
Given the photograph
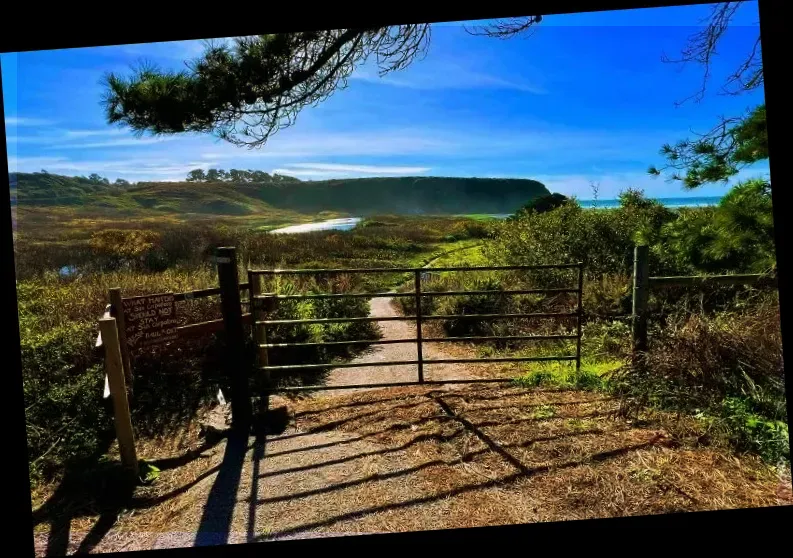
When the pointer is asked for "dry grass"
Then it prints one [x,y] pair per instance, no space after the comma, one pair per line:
[418,458]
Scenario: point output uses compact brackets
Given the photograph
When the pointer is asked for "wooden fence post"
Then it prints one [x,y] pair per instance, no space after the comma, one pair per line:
[228,278]
[579,317]
[115,374]
[118,307]
[641,291]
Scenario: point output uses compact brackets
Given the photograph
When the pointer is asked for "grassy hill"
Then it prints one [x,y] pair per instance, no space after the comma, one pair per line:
[362,196]
[401,195]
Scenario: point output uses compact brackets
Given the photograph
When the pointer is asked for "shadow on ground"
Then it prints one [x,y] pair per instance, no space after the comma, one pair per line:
[417,458]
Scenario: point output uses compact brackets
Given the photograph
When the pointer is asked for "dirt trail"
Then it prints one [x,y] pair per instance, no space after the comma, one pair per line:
[415,458]
[385,307]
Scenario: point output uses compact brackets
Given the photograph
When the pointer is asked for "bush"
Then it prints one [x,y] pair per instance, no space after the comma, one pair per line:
[603,239]
[608,295]
[727,366]
[63,375]
[66,417]
[738,234]
[115,248]
[62,389]
[315,333]
[750,431]
[561,376]
[606,338]
[545,203]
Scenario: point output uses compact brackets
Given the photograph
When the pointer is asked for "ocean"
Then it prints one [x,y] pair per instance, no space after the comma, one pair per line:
[693,201]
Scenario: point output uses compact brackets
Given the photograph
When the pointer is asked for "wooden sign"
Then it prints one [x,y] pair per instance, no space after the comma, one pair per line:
[150,320]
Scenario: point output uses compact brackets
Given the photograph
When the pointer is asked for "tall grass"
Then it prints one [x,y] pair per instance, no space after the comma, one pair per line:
[66,417]
[715,351]
[725,368]
[380,242]
[63,373]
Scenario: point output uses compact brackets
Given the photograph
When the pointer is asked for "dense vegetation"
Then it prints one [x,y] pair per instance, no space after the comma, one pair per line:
[53,189]
[741,398]
[404,195]
[236,176]
[62,372]
[278,194]
[715,353]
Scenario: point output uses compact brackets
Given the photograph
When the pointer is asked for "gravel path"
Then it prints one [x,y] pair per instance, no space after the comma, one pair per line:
[408,459]
[385,307]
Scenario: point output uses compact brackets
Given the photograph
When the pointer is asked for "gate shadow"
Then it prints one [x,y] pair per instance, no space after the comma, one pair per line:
[520,470]
[362,423]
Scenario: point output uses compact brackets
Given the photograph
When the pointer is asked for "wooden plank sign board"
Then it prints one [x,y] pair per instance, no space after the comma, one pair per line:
[150,320]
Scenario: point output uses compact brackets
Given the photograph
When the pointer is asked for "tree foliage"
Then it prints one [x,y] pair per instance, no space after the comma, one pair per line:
[53,189]
[738,234]
[246,91]
[718,154]
[601,238]
[196,175]
[236,176]
[701,48]
[735,142]
[545,203]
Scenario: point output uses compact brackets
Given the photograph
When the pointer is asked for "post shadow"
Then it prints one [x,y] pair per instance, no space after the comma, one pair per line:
[215,524]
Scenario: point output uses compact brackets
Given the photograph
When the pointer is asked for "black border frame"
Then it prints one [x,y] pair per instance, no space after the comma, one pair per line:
[48,27]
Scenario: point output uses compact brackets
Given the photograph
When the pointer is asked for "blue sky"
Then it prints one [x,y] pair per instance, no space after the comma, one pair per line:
[585,98]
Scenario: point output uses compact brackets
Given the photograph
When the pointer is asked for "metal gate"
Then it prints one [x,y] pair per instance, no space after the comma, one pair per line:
[262,303]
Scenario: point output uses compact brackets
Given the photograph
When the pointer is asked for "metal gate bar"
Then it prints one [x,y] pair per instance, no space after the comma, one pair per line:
[424,339]
[407,362]
[406,295]
[258,301]
[409,269]
[414,318]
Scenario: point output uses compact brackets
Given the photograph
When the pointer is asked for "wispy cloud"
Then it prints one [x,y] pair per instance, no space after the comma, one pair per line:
[134,168]
[123,142]
[30,164]
[55,137]
[452,77]
[175,50]
[92,133]
[294,143]
[22,121]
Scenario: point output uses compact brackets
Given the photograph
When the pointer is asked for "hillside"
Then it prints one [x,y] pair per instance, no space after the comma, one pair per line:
[42,188]
[362,196]
[402,195]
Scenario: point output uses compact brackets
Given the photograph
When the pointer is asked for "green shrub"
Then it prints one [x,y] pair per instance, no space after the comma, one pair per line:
[603,239]
[750,431]
[545,203]
[67,419]
[608,295]
[537,378]
[606,338]
[736,235]
[727,366]
[587,379]
[561,375]
[315,333]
